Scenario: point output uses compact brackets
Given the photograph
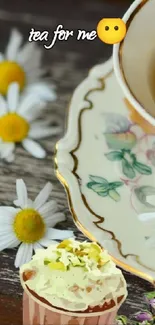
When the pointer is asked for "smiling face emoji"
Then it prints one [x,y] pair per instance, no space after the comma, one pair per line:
[111,30]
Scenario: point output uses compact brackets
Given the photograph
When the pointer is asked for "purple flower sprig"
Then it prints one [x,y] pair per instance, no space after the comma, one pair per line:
[144,317]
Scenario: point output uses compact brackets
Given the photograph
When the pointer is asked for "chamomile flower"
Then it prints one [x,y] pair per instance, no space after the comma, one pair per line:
[17,124]
[22,64]
[30,224]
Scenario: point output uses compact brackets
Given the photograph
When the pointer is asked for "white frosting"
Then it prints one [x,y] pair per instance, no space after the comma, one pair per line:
[77,287]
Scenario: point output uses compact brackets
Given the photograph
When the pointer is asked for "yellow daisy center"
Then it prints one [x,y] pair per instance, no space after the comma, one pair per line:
[11,72]
[29,226]
[13,128]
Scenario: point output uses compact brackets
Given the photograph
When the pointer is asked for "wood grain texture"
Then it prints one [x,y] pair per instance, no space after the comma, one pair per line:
[68,64]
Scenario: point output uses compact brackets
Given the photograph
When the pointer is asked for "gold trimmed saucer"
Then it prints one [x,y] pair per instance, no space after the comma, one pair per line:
[106,162]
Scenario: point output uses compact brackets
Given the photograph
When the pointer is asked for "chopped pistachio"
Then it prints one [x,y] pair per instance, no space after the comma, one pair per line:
[67,244]
[94,252]
[46,261]
[103,263]
[57,266]
[80,253]
[94,255]
[64,243]
[79,263]
[96,247]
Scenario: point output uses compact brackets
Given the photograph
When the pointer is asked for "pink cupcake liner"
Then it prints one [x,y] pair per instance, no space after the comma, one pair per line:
[37,313]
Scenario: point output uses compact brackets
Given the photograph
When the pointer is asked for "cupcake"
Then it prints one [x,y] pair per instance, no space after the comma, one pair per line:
[71,283]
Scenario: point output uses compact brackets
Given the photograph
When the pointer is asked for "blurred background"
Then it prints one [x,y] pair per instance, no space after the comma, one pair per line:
[69,61]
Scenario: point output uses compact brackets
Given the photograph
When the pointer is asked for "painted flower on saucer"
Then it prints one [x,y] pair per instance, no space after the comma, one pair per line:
[30,223]
[22,64]
[17,115]
[121,138]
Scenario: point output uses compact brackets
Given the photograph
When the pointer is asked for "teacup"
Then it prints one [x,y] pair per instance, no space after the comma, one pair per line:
[134,58]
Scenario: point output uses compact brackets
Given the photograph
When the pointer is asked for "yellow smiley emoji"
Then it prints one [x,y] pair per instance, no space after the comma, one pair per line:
[111,30]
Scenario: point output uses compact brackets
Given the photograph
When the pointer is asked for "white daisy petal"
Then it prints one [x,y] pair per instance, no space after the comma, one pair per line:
[1,57]
[13,45]
[147,217]
[31,113]
[47,242]
[36,62]
[43,196]
[6,215]
[27,103]
[7,241]
[8,210]
[37,246]
[13,96]
[29,54]
[40,123]
[6,150]
[59,234]
[30,57]
[21,191]
[53,219]
[34,75]
[5,236]
[48,208]
[40,133]
[28,205]
[15,244]
[43,89]
[10,157]
[35,113]
[3,106]
[34,148]
[5,228]
[24,254]
[32,67]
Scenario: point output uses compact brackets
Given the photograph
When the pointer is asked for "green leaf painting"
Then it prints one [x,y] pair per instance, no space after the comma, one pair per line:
[114,185]
[142,192]
[97,179]
[128,169]
[129,162]
[114,155]
[114,195]
[141,168]
[103,188]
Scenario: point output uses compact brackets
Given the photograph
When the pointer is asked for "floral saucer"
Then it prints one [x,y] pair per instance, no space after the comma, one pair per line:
[106,162]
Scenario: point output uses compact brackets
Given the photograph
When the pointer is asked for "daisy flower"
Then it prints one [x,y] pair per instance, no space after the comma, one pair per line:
[21,64]
[30,224]
[149,220]
[17,124]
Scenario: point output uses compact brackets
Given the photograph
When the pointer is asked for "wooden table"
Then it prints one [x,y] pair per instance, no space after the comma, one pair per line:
[68,64]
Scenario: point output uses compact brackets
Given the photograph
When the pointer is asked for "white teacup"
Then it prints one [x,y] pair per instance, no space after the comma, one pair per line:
[134,58]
